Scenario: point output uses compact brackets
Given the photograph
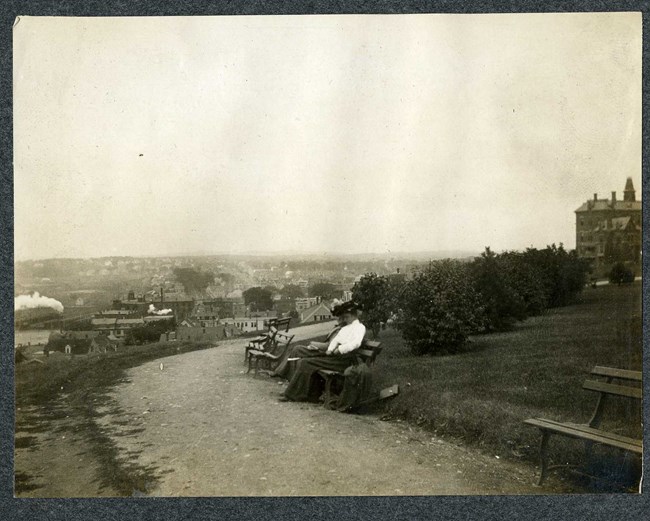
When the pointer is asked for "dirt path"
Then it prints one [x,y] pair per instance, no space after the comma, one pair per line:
[204,428]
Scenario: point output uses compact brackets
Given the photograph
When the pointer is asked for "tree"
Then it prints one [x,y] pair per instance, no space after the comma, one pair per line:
[502,303]
[377,297]
[259,299]
[292,291]
[324,290]
[564,273]
[527,279]
[273,291]
[194,281]
[149,332]
[439,309]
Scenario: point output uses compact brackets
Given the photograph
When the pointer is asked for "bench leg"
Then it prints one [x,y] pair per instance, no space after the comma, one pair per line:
[328,392]
[543,455]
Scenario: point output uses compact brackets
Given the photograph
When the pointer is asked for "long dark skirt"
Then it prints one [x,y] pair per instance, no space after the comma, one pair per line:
[306,385]
[285,368]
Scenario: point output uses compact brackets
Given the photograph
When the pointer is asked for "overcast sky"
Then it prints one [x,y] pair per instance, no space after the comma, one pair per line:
[145,136]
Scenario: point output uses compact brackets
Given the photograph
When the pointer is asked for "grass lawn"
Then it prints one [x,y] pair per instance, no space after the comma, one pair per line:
[482,395]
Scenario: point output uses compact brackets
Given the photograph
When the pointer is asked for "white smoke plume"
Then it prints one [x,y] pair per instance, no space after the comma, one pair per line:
[35,300]
[154,311]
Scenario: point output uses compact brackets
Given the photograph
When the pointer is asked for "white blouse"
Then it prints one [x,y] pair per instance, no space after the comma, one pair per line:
[349,338]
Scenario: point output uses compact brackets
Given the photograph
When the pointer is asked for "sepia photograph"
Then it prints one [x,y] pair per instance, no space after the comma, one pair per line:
[328,255]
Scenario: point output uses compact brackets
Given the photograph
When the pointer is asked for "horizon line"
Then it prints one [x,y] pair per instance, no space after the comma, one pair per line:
[279,253]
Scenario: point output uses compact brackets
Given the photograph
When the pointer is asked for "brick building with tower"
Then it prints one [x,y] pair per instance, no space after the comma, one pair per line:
[608,231]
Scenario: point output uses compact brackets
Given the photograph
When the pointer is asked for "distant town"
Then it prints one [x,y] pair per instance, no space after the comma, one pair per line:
[96,304]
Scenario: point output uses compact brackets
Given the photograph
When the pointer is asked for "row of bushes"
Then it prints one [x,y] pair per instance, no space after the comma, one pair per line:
[441,305]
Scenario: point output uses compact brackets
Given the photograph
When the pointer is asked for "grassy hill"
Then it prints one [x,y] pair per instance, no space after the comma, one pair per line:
[481,396]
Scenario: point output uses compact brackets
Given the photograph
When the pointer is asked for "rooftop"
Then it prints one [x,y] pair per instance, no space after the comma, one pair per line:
[605,204]
[130,320]
[103,321]
[618,223]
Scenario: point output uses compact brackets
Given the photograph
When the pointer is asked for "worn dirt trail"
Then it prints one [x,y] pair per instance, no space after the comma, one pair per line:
[204,428]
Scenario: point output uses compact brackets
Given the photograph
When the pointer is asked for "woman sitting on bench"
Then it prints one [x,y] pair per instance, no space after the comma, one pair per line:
[285,369]
[338,356]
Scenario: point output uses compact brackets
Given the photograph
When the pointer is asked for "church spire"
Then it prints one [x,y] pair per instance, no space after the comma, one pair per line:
[629,194]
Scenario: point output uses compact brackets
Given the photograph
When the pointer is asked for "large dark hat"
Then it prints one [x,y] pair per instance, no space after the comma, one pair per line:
[348,307]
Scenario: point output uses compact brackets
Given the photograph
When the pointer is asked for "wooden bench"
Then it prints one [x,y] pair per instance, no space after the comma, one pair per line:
[262,342]
[270,358]
[590,432]
[368,352]
[280,323]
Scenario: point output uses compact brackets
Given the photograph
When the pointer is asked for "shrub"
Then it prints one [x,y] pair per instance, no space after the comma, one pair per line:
[527,279]
[439,309]
[620,274]
[564,274]
[503,305]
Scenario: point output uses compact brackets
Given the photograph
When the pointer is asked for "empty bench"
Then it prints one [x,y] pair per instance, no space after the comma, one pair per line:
[612,382]
[368,352]
[271,356]
[280,323]
[261,343]
[266,341]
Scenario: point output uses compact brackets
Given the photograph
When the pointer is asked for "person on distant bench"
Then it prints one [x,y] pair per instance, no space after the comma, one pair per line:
[285,368]
[339,355]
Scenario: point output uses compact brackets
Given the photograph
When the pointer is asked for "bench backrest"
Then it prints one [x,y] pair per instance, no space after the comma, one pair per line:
[280,323]
[270,337]
[369,351]
[612,372]
[628,388]
[280,343]
[283,339]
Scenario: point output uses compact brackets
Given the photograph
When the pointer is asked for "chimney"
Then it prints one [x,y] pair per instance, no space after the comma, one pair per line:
[629,194]
[162,295]
[613,199]
[595,197]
